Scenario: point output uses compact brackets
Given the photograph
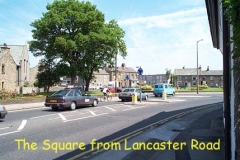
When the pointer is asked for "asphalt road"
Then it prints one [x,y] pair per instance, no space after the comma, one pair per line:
[41,133]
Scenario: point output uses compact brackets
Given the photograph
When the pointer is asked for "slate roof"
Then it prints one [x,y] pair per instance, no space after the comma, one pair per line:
[16,52]
[101,72]
[124,69]
[193,71]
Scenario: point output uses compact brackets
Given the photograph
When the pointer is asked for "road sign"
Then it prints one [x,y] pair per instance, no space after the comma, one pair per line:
[127,77]
[140,71]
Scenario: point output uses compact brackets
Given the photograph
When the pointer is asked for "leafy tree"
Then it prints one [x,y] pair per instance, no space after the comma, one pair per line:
[48,74]
[168,75]
[75,33]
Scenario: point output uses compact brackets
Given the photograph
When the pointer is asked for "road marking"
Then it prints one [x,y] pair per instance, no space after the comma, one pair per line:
[84,117]
[9,133]
[94,114]
[42,116]
[70,115]
[110,108]
[133,108]
[24,122]
[63,118]
[194,96]
[5,128]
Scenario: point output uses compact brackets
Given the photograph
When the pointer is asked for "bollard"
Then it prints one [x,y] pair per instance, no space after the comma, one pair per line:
[134,98]
[164,95]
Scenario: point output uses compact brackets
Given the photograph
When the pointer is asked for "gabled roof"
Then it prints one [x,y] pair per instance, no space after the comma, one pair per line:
[16,52]
[126,69]
[193,71]
[100,72]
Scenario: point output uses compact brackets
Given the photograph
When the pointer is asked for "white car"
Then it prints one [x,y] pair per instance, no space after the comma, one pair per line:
[3,112]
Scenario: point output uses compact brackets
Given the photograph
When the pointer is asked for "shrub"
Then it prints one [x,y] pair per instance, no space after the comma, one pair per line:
[201,87]
[146,87]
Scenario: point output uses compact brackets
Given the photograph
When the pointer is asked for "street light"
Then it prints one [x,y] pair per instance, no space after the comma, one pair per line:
[197,66]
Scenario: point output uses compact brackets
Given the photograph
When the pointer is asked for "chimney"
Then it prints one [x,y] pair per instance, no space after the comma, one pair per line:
[123,65]
[4,47]
[183,67]
[207,68]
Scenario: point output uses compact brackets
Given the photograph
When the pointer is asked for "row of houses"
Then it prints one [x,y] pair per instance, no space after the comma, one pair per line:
[16,73]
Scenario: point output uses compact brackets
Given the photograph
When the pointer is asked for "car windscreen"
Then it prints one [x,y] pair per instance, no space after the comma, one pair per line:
[129,90]
[60,93]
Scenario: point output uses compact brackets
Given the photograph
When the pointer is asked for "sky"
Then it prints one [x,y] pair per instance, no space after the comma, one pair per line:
[159,34]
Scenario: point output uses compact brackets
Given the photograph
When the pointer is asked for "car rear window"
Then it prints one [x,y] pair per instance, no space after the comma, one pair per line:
[129,90]
[158,86]
[60,93]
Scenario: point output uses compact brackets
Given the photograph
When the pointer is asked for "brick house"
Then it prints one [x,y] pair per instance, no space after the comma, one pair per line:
[15,66]
[188,77]
[122,72]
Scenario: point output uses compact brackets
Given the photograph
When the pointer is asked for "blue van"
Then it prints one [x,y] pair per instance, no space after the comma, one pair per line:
[160,87]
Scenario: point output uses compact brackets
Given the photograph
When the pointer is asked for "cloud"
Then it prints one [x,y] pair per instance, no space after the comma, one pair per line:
[169,41]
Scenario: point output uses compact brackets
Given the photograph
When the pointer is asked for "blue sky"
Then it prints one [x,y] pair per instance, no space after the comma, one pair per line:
[160,34]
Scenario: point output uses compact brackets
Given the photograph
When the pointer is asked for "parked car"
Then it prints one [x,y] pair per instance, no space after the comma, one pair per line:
[160,87]
[182,86]
[3,112]
[127,94]
[70,98]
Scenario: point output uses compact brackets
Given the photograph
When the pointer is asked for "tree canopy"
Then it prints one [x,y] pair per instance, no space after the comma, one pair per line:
[76,33]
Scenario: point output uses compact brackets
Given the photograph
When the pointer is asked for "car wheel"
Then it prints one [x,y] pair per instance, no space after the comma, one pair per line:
[94,104]
[73,106]
[173,93]
[146,97]
[156,95]
[55,108]
[122,100]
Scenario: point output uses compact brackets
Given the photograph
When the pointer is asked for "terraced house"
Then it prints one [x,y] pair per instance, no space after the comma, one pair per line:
[188,77]
[15,66]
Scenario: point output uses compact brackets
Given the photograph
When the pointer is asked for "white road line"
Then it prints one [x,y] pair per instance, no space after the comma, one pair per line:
[42,116]
[133,108]
[24,122]
[63,118]
[5,128]
[94,114]
[194,96]
[9,133]
[66,116]
[110,108]
[85,117]
[129,106]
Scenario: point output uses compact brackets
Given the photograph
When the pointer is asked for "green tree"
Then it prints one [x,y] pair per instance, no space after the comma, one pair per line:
[48,74]
[76,33]
[168,75]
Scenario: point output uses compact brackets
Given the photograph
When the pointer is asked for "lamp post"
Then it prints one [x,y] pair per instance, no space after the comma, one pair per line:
[197,66]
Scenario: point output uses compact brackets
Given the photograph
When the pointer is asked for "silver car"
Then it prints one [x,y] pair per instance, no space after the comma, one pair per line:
[3,112]
[127,94]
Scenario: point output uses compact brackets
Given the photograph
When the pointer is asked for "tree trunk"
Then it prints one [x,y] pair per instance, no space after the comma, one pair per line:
[48,88]
[87,85]
[73,79]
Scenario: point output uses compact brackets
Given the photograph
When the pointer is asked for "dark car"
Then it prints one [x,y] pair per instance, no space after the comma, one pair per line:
[182,86]
[3,112]
[70,98]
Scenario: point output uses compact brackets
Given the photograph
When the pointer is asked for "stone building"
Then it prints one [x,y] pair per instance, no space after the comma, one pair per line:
[15,66]
[33,75]
[188,77]
[122,72]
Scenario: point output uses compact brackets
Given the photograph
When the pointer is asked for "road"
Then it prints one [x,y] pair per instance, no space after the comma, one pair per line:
[45,134]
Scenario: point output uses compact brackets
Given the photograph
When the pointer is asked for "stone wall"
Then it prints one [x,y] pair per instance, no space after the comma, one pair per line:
[8,78]
[33,74]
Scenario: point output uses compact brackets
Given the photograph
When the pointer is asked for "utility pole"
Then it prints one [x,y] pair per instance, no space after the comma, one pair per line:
[116,72]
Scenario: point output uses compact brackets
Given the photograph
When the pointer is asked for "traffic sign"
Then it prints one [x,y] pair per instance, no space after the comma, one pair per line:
[140,71]
[127,77]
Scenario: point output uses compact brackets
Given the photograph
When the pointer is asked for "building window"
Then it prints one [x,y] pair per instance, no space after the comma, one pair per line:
[157,77]
[194,83]
[211,78]
[194,78]
[2,85]
[3,68]
[221,77]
